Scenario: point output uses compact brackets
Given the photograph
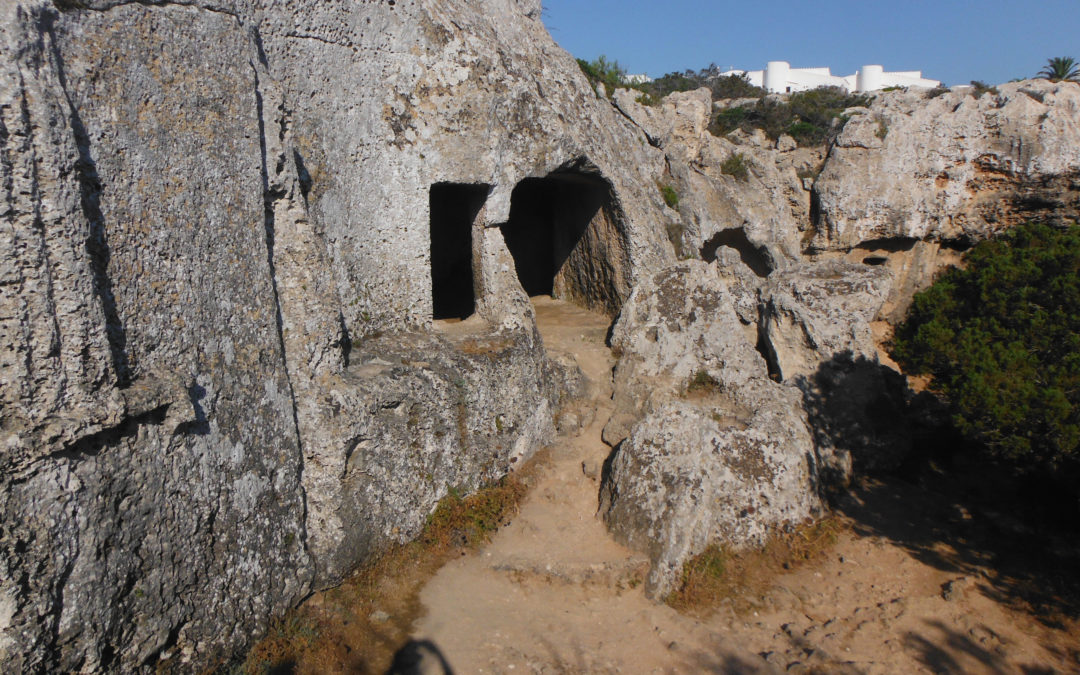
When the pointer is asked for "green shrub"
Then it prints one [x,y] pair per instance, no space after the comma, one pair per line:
[812,117]
[729,86]
[802,129]
[983,88]
[937,91]
[609,73]
[734,86]
[736,167]
[671,198]
[1001,340]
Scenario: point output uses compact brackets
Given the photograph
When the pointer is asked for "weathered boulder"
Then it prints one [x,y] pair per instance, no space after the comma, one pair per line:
[674,325]
[816,327]
[814,311]
[728,470]
[709,449]
[955,167]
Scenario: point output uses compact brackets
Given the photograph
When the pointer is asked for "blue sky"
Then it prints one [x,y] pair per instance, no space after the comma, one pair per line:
[955,41]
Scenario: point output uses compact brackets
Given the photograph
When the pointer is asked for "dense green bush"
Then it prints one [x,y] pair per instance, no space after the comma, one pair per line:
[811,117]
[1001,340]
[729,86]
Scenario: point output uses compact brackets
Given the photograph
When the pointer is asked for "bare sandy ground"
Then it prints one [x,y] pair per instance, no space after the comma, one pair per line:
[902,591]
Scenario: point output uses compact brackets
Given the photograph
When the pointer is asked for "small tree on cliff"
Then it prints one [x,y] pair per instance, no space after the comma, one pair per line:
[1001,340]
[1061,69]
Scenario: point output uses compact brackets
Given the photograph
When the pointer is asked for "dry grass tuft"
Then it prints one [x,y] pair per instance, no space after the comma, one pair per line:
[485,346]
[718,574]
[702,384]
[358,626]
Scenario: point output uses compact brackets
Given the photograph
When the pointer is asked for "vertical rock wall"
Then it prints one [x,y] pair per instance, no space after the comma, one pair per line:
[220,387]
[151,493]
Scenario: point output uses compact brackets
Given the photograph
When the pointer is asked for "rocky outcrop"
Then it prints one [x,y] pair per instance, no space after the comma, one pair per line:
[151,462]
[768,207]
[816,311]
[223,384]
[959,166]
[675,325]
[710,450]
[695,473]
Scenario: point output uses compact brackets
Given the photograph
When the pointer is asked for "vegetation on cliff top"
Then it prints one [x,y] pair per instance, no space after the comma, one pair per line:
[1061,69]
[811,117]
[1001,340]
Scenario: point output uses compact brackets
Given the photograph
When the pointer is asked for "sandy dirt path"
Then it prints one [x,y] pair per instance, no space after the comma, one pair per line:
[553,593]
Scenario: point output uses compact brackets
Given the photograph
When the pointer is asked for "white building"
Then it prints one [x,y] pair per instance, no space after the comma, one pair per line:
[779,78]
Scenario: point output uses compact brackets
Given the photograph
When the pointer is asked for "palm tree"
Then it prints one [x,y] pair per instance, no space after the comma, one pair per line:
[1061,69]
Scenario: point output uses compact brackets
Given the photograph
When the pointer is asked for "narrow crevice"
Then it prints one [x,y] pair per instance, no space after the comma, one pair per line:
[271,195]
[97,243]
[345,340]
[652,141]
[765,348]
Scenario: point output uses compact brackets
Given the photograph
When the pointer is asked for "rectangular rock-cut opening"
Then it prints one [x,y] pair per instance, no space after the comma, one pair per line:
[453,208]
[561,234]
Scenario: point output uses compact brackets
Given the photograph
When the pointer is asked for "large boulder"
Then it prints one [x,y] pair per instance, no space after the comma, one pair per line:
[694,473]
[677,324]
[709,449]
[817,328]
[815,311]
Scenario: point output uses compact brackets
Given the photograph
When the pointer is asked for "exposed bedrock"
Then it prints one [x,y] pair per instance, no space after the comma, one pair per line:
[709,449]
[955,167]
[225,228]
[769,205]
[910,181]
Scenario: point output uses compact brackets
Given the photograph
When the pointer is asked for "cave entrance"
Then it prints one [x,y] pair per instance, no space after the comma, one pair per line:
[453,208]
[752,256]
[563,237]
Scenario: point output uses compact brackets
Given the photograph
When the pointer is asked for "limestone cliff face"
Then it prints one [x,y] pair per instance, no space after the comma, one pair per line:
[221,386]
[953,167]
[910,180]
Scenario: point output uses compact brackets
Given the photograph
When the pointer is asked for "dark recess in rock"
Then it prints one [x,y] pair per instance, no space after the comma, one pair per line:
[560,234]
[454,207]
[752,256]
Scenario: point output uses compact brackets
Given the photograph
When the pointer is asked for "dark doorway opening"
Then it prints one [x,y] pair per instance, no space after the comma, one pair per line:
[563,238]
[453,208]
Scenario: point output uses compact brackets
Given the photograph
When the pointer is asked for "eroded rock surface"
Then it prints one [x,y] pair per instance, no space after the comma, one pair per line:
[220,385]
[815,311]
[770,206]
[710,450]
[953,167]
